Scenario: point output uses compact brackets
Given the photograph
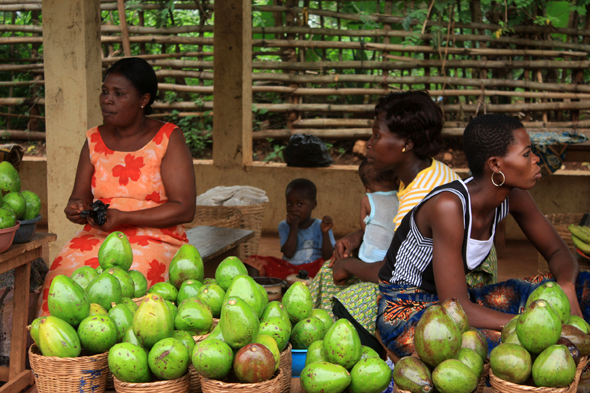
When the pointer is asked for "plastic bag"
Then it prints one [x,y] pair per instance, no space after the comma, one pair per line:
[306,151]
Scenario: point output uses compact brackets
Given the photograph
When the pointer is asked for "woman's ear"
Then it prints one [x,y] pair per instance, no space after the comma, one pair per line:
[145,99]
[494,164]
[409,145]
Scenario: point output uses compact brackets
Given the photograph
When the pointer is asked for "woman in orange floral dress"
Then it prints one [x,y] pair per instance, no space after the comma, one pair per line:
[142,168]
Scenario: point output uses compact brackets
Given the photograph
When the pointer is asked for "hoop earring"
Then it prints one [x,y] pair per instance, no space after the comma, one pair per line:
[142,107]
[503,179]
[404,150]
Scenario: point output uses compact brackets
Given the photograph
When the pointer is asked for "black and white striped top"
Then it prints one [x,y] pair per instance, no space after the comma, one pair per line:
[409,258]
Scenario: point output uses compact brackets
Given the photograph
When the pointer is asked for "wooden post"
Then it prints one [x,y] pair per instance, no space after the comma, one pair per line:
[232,96]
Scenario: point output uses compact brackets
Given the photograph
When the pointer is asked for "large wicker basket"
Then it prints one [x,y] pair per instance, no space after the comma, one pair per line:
[178,385]
[271,386]
[216,216]
[285,367]
[501,386]
[560,222]
[79,374]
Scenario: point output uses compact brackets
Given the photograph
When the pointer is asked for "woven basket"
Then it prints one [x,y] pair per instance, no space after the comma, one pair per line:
[138,300]
[178,385]
[560,222]
[79,374]
[501,386]
[195,385]
[216,216]
[285,367]
[271,386]
[252,217]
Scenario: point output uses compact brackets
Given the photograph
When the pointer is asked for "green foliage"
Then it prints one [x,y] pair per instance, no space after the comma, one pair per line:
[197,131]
[276,155]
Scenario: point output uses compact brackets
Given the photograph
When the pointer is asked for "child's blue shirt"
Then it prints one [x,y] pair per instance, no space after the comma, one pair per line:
[309,242]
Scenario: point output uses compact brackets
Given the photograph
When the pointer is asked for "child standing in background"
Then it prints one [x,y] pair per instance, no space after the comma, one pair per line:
[306,242]
[378,209]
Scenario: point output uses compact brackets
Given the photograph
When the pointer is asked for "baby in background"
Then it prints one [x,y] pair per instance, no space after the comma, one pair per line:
[378,209]
[304,239]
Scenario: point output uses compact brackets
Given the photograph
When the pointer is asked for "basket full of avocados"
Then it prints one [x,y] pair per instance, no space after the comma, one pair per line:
[273,385]
[178,385]
[285,366]
[73,374]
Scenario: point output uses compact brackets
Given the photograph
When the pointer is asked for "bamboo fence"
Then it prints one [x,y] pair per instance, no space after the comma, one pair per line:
[301,75]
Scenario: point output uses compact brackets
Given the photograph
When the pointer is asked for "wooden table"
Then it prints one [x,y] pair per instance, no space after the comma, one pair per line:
[19,257]
[216,243]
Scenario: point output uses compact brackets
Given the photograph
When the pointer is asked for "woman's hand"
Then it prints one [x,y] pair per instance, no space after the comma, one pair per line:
[73,210]
[339,273]
[345,246]
[114,219]
[570,290]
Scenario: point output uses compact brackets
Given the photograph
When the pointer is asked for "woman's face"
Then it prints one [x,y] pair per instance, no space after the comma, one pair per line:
[384,148]
[520,164]
[120,102]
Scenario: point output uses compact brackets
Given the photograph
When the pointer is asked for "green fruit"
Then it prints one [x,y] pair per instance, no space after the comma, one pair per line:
[323,316]
[456,312]
[555,296]
[307,331]
[34,329]
[209,281]
[186,338]
[58,338]
[509,328]
[194,317]
[371,375]
[173,309]
[97,309]
[297,302]
[9,178]
[7,218]
[263,296]
[98,333]
[254,363]
[324,378]
[123,318]
[127,286]
[131,305]
[168,359]
[578,322]
[152,321]
[554,367]
[413,375]
[315,353]
[369,352]
[129,363]
[437,337]
[512,338]
[342,344]
[84,276]
[130,337]
[99,270]
[511,362]
[212,358]
[67,300]
[239,323]
[271,345]
[538,327]
[139,283]
[212,295]
[472,360]
[104,290]
[187,264]
[33,204]
[277,328]
[276,309]
[452,376]
[216,334]
[244,287]
[189,288]
[16,202]
[115,251]
[475,340]
[227,270]
[166,290]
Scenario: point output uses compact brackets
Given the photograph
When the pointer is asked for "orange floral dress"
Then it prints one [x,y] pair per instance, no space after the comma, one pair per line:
[128,181]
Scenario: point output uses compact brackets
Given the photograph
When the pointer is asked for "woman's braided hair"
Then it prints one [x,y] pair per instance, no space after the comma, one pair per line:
[413,115]
[488,136]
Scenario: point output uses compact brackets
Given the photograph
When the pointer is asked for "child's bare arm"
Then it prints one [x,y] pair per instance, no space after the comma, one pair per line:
[327,247]
[365,211]
[290,247]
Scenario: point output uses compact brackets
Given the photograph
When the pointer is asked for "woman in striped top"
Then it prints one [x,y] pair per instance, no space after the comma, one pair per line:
[451,231]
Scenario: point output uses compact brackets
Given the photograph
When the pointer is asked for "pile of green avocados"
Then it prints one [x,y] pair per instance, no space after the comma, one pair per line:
[160,336]
[540,347]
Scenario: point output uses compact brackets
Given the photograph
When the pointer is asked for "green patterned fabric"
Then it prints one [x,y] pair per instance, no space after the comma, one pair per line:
[360,298]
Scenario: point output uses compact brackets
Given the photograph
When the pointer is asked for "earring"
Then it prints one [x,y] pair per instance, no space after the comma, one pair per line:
[142,107]
[404,150]
[503,179]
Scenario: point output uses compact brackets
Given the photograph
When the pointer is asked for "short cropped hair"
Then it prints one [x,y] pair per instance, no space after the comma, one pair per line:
[488,136]
[305,185]
[141,74]
[370,176]
[413,115]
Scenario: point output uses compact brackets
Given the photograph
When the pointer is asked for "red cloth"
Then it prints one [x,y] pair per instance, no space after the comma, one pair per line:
[279,268]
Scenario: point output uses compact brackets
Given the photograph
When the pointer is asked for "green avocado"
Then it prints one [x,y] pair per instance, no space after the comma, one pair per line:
[277,328]
[189,288]
[437,336]
[187,264]
[307,331]
[538,327]
[276,309]
[212,295]
[245,288]
[297,302]
[324,378]
[194,317]
[511,362]
[9,178]
[68,300]
[371,375]
[168,359]
[554,367]
[227,270]
[472,360]
[453,376]
[342,344]
[58,338]
[166,290]
[456,312]
[186,338]
[315,353]
[413,375]
[129,363]
[123,318]
[84,276]
[139,283]
[115,251]
[152,321]
[104,290]
[555,296]
[98,333]
[239,323]
[127,285]
[212,358]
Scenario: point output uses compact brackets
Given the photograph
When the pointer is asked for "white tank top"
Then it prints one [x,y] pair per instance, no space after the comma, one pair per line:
[380,226]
